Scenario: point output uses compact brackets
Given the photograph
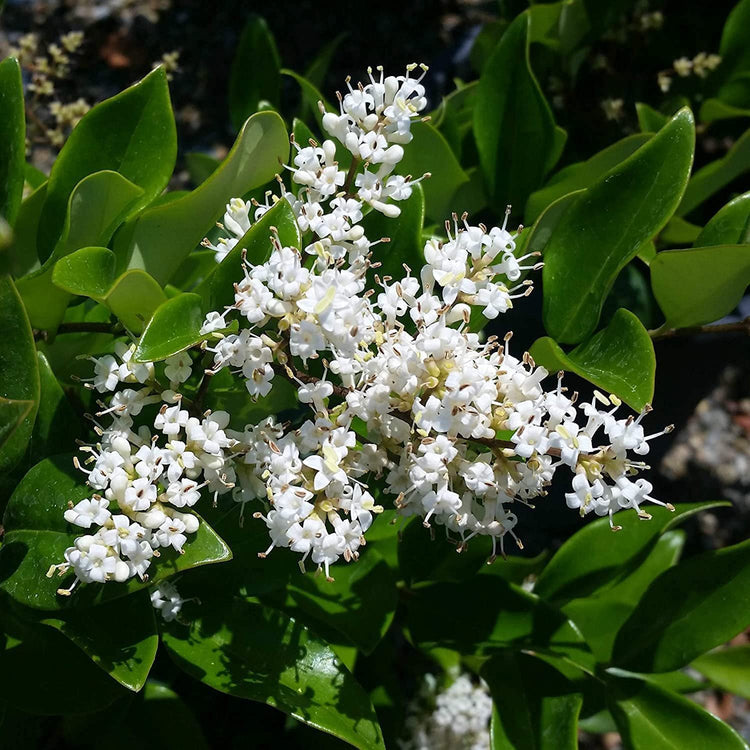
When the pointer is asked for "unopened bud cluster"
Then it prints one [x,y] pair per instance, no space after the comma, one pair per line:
[404,405]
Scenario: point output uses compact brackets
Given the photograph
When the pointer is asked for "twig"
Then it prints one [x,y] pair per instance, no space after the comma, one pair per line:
[741,326]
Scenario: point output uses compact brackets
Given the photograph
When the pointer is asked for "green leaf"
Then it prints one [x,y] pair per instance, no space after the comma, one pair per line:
[132,296]
[428,151]
[601,614]
[12,139]
[310,96]
[56,423]
[22,254]
[37,535]
[255,652]
[730,225]
[687,610]
[200,166]
[594,558]
[679,232]
[728,669]
[716,175]
[619,359]
[650,120]
[650,717]
[119,636]
[735,58]
[89,272]
[161,237]
[51,676]
[513,124]
[359,603]
[535,707]
[19,378]
[582,174]
[174,327]
[486,614]
[96,207]
[405,233]
[217,289]
[254,76]
[316,71]
[700,284]
[604,228]
[714,109]
[132,133]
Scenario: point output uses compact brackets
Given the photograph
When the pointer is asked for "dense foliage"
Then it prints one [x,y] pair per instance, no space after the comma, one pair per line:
[299,382]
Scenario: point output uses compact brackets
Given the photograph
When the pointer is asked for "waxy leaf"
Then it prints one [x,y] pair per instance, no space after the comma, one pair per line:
[255,652]
[487,614]
[161,237]
[255,75]
[606,226]
[96,207]
[716,175]
[513,124]
[730,225]
[429,152]
[535,707]
[19,378]
[697,605]
[727,668]
[119,636]
[650,120]
[132,133]
[648,716]
[175,326]
[595,558]
[37,535]
[12,139]
[217,289]
[405,234]
[582,174]
[619,359]
[700,284]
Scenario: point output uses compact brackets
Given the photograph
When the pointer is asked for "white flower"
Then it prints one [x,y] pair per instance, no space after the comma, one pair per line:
[88,512]
[178,367]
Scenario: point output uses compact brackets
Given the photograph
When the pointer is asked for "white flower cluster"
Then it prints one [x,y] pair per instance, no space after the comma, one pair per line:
[457,717]
[403,396]
[144,482]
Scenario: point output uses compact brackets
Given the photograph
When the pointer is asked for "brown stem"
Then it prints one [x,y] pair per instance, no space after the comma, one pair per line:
[350,175]
[741,326]
[201,392]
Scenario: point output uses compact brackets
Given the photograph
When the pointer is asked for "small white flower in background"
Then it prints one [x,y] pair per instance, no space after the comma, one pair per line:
[178,367]
[166,599]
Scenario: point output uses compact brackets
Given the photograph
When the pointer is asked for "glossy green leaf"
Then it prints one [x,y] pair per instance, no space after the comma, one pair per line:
[513,124]
[487,614]
[618,359]
[316,71]
[200,166]
[679,232]
[650,717]
[735,57]
[600,615]
[161,237]
[310,95]
[428,151]
[716,175]
[19,378]
[405,234]
[22,253]
[535,707]
[595,558]
[650,120]
[37,535]
[96,207]
[359,603]
[56,424]
[119,636]
[89,272]
[727,668]
[714,109]
[730,225]
[255,652]
[687,610]
[604,228]
[132,133]
[12,139]
[700,284]
[175,326]
[582,174]
[217,289]
[133,298]
[255,75]
[51,676]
